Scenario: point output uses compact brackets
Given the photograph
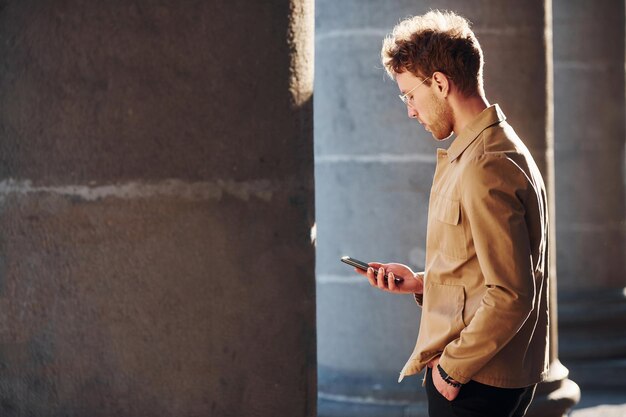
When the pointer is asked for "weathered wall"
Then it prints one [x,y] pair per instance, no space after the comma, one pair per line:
[589,116]
[156,200]
[589,139]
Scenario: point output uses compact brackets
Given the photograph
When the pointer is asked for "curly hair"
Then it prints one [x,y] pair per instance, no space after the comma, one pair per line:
[436,41]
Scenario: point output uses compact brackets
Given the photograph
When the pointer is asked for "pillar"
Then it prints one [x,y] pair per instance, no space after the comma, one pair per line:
[374,170]
[591,209]
[156,201]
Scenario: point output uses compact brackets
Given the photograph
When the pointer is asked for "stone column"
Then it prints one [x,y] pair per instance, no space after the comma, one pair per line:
[374,170]
[591,209]
[156,201]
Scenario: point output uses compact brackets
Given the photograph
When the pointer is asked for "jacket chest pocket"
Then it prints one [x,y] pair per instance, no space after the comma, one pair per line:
[449,233]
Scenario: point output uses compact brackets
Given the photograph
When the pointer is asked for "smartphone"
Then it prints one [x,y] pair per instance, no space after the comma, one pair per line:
[363,266]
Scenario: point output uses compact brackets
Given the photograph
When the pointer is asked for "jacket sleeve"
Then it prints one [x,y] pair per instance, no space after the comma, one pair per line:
[419,298]
[493,190]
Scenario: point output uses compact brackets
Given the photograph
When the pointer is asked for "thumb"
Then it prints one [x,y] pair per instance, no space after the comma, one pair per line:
[433,362]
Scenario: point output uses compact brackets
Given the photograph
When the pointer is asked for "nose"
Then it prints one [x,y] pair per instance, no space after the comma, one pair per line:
[411,112]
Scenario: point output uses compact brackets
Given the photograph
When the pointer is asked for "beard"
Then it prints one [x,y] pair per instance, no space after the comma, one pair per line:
[443,119]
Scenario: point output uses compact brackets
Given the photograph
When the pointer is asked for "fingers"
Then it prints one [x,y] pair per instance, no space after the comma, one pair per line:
[380,278]
[391,282]
[376,277]
[371,277]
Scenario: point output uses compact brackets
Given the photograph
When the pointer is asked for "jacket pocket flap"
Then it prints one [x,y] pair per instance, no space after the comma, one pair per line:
[448,210]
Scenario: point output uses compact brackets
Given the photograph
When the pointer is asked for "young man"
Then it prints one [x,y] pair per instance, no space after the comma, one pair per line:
[483,335]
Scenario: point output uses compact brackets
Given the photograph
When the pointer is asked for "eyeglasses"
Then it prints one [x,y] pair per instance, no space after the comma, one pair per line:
[405,97]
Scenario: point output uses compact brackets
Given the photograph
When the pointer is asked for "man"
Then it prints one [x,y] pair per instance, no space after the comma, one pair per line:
[483,335]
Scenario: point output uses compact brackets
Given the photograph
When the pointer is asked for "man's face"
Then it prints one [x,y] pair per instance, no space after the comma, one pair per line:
[425,104]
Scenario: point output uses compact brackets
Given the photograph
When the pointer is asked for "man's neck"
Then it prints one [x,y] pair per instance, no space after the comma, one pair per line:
[467,109]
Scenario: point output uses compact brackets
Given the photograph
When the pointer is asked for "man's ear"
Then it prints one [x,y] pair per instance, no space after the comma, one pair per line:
[442,82]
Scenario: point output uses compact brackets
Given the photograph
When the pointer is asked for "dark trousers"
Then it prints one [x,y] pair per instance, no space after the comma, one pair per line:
[479,400]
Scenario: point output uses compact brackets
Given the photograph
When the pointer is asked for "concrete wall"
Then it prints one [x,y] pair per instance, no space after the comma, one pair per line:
[156,200]
[589,140]
[591,197]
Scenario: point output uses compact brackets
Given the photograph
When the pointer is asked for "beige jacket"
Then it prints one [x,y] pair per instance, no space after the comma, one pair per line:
[485,301]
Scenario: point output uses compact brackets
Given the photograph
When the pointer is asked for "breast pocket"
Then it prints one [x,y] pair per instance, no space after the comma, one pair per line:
[450,233]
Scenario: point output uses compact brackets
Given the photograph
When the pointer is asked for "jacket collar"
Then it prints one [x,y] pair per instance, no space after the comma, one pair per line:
[488,117]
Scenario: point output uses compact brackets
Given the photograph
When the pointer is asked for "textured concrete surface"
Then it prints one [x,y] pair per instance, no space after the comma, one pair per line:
[589,116]
[156,91]
[156,201]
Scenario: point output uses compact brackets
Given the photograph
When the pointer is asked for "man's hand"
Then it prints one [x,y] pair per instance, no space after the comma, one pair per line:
[413,282]
[445,389]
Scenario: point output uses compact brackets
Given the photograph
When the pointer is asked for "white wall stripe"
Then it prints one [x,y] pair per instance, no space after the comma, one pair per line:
[347,33]
[363,400]
[382,32]
[377,158]
[352,279]
[261,189]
